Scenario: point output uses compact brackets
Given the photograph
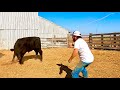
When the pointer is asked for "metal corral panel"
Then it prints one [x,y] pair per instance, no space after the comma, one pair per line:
[18,20]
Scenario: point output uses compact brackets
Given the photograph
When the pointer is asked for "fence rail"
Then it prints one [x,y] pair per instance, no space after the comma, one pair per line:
[107,41]
[54,42]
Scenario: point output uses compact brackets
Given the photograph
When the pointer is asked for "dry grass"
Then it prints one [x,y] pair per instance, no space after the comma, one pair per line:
[105,65]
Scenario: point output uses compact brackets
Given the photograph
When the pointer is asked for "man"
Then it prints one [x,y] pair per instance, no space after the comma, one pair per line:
[86,57]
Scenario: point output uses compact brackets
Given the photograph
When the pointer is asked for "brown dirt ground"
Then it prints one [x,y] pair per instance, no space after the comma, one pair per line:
[106,64]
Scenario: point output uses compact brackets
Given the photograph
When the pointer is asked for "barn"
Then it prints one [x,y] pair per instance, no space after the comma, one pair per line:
[14,25]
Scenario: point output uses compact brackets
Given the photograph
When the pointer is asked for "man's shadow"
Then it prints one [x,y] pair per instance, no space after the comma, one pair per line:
[67,70]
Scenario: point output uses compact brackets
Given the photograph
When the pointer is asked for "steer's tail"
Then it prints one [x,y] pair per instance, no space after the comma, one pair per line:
[11,49]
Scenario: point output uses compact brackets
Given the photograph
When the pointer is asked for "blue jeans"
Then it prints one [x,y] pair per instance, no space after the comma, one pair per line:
[81,67]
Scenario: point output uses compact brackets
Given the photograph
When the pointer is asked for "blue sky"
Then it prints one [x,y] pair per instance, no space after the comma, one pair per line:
[85,22]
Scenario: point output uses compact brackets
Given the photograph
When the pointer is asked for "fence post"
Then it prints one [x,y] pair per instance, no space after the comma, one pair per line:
[90,40]
[111,41]
[68,35]
[119,42]
[101,39]
[114,40]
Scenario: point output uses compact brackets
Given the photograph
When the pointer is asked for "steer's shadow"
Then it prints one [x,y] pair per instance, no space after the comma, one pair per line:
[67,70]
[1,55]
[25,58]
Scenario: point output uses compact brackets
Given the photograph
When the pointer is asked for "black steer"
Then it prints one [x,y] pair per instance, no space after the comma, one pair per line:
[26,44]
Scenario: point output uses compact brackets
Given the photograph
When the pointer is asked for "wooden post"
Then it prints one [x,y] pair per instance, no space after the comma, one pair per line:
[102,40]
[114,40]
[54,40]
[90,40]
[119,42]
[68,35]
[111,42]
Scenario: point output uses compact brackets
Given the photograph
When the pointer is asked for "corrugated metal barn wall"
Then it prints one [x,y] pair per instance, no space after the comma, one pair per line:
[18,20]
[48,29]
[8,37]
[14,25]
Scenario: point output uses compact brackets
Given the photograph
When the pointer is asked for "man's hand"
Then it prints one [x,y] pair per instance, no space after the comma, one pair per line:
[69,60]
[75,52]
[71,45]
